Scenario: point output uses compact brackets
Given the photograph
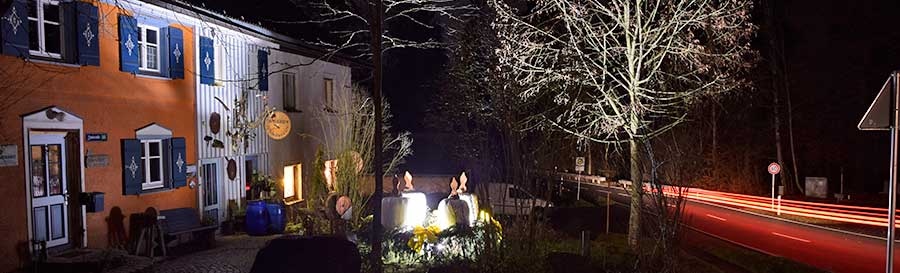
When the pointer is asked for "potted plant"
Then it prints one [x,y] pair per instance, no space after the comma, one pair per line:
[267,190]
[263,186]
[227,226]
[239,217]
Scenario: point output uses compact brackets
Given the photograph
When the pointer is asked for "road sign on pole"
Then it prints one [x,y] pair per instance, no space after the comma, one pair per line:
[773,169]
[882,115]
[579,167]
[878,116]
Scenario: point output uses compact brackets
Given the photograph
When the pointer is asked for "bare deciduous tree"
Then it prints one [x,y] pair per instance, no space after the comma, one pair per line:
[624,71]
[347,23]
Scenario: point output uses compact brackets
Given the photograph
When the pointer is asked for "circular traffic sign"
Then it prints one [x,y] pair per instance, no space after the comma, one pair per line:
[774,168]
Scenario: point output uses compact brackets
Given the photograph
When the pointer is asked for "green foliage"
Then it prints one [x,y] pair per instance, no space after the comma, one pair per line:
[264,184]
[352,144]
[455,245]
[293,228]
[317,186]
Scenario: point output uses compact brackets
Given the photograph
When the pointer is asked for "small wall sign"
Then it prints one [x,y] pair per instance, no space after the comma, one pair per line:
[9,155]
[91,137]
[98,160]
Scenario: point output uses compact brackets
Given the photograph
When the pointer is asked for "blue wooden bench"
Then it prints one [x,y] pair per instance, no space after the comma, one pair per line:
[181,221]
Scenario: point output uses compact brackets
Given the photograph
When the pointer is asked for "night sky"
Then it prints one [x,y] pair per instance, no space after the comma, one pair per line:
[838,53]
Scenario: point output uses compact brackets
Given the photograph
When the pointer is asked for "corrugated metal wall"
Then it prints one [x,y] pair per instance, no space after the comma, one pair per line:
[238,56]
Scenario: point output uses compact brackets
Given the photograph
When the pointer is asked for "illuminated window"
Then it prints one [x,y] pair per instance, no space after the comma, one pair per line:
[293,186]
[330,172]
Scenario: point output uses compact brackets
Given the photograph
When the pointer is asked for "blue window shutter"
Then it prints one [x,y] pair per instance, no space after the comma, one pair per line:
[132,167]
[207,61]
[263,70]
[88,34]
[14,29]
[176,53]
[69,27]
[128,44]
[163,51]
[178,162]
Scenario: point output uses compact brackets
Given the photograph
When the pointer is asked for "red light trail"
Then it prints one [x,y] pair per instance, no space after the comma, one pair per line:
[822,211]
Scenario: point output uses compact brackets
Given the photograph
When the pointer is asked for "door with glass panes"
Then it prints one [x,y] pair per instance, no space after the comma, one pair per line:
[46,155]
[211,190]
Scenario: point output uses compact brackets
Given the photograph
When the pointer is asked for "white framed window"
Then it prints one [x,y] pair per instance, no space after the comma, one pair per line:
[289,91]
[152,158]
[148,42]
[292,179]
[45,29]
[329,93]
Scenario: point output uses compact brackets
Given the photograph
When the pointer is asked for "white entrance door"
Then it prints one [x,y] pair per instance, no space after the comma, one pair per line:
[46,154]
[211,190]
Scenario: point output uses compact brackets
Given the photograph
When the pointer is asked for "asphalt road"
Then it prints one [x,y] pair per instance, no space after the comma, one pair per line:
[825,249]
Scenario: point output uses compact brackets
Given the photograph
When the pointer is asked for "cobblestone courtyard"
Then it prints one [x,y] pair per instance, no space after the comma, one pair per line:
[232,254]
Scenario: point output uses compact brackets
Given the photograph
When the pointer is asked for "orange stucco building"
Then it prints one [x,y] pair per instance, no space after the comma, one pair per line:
[49,106]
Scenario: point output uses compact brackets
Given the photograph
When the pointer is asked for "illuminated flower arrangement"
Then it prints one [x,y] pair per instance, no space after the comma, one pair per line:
[422,235]
[417,236]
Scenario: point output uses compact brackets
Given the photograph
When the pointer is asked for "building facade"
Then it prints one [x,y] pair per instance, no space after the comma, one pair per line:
[94,99]
[153,104]
[309,91]
[232,95]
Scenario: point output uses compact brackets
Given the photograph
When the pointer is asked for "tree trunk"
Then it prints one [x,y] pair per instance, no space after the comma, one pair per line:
[777,84]
[787,91]
[715,144]
[634,220]
[589,168]
[796,173]
[778,151]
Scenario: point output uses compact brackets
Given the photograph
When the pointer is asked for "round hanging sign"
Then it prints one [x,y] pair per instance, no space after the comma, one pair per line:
[278,125]
[231,169]
[215,122]
[774,168]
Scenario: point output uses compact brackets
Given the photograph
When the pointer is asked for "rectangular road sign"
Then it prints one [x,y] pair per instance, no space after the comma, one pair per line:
[579,164]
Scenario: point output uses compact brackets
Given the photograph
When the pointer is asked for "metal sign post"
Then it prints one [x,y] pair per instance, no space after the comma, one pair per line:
[579,167]
[578,194]
[773,169]
[892,198]
[882,115]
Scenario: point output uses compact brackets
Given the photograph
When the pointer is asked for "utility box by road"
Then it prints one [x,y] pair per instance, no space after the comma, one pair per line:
[817,187]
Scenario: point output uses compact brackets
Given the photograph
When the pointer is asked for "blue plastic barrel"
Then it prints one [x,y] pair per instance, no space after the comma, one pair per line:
[257,219]
[276,217]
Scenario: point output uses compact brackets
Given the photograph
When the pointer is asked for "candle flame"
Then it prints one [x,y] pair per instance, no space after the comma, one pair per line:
[453,186]
[409,184]
[462,185]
